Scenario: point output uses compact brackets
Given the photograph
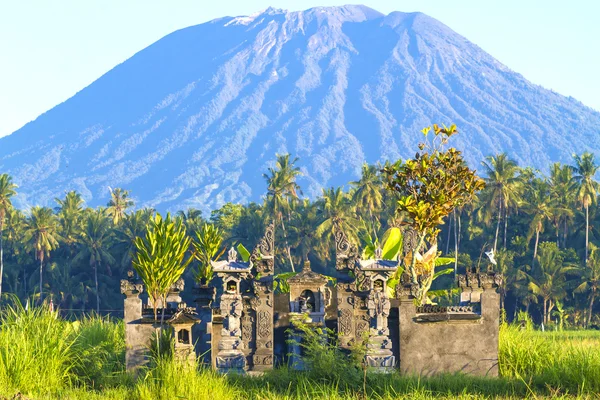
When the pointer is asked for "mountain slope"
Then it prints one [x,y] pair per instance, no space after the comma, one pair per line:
[195,119]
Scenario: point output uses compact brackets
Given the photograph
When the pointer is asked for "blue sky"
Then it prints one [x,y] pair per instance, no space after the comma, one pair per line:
[49,50]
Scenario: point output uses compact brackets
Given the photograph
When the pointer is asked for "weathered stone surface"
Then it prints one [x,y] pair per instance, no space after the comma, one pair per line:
[460,342]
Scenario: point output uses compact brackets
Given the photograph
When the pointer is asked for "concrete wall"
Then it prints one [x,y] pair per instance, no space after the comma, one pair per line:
[455,343]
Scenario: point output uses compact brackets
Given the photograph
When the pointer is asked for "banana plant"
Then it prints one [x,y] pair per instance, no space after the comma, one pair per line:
[392,243]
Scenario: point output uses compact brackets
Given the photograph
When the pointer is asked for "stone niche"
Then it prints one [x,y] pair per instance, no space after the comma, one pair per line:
[309,294]
[230,280]
[308,300]
[379,343]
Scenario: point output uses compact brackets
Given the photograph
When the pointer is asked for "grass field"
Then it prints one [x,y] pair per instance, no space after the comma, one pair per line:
[45,357]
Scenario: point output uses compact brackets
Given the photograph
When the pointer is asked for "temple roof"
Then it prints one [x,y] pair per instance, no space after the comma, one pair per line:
[230,266]
[307,275]
[183,316]
[378,265]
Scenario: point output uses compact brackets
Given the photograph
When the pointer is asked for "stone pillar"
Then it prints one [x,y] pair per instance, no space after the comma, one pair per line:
[137,335]
[263,263]
[490,313]
[263,356]
[406,314]
[231,357]
[345,311]
[203,330]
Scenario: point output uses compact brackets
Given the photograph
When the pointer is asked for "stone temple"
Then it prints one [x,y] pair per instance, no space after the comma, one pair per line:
[240,325]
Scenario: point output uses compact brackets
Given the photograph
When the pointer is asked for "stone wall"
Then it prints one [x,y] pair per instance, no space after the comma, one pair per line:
[450,340]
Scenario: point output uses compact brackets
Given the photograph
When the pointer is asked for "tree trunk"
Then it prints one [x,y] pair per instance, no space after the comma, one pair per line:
[41,277]
[97,295]
[455,245]
[587,231]
[372,222]
[1,261]
[545,318]
[449,233]
[287,246]
[535,248]
[497,226]
[413,261]
[505,225]
[565,233]
[459,228]
[162,314]
[589,319]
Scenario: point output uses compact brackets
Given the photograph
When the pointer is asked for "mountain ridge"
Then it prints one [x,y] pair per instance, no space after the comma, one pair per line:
[335,86]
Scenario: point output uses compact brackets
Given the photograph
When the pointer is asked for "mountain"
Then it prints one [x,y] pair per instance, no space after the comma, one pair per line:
[196,118]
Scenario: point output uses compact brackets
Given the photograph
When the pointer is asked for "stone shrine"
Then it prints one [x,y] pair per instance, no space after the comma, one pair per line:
[240,325]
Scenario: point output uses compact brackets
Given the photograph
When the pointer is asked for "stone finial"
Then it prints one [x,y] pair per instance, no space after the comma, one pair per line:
[306,266]
[232,255]
[130,288]
[378,253]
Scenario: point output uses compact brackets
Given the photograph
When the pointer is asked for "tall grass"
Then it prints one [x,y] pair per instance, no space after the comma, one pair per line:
[46,357]
[562,362]
[37,351]
[42,353]
[173,380]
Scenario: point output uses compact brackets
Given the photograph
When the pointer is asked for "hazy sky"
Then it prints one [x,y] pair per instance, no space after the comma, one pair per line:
[49,50]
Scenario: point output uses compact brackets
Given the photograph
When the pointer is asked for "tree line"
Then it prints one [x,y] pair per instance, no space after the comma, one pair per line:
[543,230]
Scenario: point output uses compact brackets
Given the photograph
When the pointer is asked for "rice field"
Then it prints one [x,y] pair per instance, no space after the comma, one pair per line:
[45,357]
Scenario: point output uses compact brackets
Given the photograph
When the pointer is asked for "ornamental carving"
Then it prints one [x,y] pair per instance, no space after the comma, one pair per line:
[345,322]
[233,362]
[262,359]
[262,255]
[130,288]
[346,252]
[379,310]
[410,240]
[264,324]
[255,303]
[361,329]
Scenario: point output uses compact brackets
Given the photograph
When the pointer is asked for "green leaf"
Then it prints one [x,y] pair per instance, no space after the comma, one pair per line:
[244,253]
[392,245]
[446,271]
[440,261]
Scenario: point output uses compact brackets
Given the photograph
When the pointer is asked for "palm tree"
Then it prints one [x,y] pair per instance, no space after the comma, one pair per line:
[7,190]
[540,207]
[503,188]
[561,185]
[132,226]
[548,280]
[15,233]
[94,243]
[590,278]
[42,234]
[334,211]
[587,188]
[302,229]
[368,194]
[70,212]
[282,189]
[192,219]
[119,203]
